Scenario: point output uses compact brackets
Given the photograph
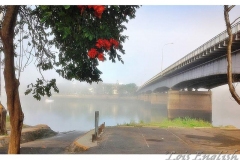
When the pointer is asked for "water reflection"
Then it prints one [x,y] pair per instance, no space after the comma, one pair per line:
[71,113]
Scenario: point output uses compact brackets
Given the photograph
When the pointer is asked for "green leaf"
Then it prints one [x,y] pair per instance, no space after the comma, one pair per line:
[86,35]
[28,91]
[43,7]
[67,6]
[67,31]
[43,19]
[90,37]
[48,14]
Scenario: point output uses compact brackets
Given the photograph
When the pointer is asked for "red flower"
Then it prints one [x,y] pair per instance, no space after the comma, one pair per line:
[107,44]
[90,6]
[103,43]
[100,57]
[92,53]
[114,42]
[81,8]
[100,43]
[98,10]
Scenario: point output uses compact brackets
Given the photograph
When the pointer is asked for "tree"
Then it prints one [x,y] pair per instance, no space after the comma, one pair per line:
[127,89]
[81,35]
[232,90]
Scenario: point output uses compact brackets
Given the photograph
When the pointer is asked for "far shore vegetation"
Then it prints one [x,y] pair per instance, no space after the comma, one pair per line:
[185,122]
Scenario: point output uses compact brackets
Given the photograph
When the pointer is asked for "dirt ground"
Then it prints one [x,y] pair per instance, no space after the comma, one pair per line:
[149,140]
[142,140]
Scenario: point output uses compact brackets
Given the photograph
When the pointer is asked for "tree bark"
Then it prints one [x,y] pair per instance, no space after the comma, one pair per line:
[11,83]
[229,55]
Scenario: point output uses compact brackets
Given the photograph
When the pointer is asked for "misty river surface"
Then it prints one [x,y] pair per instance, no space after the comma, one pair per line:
[72,113]
[67,113]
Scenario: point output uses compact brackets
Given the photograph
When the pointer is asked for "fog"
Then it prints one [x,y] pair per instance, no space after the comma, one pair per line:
[225,110]
[76,112]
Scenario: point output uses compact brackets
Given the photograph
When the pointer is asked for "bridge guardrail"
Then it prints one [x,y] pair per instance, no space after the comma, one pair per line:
[211,43]
[221,37]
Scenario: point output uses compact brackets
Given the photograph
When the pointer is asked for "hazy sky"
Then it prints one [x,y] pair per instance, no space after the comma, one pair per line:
[187,27]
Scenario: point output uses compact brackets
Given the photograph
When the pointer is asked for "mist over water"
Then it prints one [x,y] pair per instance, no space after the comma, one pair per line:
[225,110]
[65,113]
[71,113]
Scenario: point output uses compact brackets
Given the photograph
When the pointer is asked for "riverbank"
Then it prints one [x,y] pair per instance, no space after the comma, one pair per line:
[185,122]
[137,140]
[29,133]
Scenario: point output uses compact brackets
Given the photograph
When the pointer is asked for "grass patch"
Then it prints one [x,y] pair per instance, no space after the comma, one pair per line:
[177,122]
[185,122]
[132,123]
[7,118]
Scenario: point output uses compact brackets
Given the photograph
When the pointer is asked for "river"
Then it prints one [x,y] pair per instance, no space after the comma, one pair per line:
[65,113]
[72,113]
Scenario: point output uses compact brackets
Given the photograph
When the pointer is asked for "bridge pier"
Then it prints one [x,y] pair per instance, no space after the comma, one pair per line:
[194,104]
[147,98]
[159,98]
[144,97]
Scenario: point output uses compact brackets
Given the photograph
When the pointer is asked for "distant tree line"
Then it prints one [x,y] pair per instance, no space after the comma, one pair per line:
[98,89]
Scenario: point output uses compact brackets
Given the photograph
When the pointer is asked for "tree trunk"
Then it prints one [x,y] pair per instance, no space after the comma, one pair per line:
[11,83]
[229,55]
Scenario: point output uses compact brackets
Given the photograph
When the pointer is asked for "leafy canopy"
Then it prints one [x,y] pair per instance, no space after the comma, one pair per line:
[73,31]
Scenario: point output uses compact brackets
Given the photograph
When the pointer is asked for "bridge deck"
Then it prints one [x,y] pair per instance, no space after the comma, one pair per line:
[214,48]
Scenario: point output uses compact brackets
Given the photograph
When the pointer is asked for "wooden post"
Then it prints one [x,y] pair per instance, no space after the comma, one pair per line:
[96,123]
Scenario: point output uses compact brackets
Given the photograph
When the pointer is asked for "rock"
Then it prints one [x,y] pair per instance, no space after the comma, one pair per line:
[30,134]
[36,132]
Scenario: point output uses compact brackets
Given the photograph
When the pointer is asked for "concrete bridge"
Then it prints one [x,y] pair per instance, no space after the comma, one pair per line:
[205,67]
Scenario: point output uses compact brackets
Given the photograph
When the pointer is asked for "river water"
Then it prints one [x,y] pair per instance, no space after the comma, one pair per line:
[65,113]
[72,113]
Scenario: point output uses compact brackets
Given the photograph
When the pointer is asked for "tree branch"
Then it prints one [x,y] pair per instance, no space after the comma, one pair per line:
[235,20]
[229,55]
[231,7]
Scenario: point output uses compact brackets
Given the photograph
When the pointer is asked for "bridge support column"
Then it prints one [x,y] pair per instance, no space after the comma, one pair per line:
[147,98]
[194,104]
[159,98]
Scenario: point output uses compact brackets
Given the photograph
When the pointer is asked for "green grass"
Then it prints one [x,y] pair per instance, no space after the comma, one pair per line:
[185,122]
[7,118]
[177,122]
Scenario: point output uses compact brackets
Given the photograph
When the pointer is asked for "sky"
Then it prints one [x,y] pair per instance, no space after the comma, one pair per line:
[186,26]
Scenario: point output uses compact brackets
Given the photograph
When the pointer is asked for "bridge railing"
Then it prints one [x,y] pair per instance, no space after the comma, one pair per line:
[203,48]
[200,51]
